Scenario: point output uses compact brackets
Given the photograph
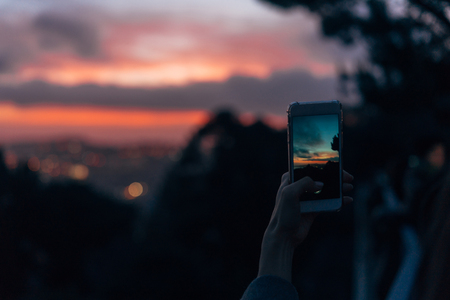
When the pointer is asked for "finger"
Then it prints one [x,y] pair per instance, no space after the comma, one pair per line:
[347,187]
[284,181]
[296,189]
[306,184]
[285,178]
[283,184]
[347,177]
[346,200]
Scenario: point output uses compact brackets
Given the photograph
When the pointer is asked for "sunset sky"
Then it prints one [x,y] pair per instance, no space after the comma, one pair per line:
[312,139]
[135,71]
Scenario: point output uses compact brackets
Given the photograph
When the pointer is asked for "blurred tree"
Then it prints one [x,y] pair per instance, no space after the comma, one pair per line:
[408,44]
[47,232]
[205,233]
[404,85]
[206,229]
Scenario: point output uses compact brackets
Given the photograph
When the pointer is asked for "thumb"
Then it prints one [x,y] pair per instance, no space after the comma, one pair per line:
[294,191]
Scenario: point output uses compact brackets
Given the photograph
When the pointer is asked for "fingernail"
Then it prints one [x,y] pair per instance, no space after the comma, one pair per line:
[347,200]
[319,184]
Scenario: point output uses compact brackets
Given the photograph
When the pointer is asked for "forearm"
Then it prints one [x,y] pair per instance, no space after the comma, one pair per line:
[287,228]
[276,257]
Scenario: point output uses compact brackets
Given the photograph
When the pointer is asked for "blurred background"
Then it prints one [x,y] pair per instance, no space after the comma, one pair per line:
[143,142]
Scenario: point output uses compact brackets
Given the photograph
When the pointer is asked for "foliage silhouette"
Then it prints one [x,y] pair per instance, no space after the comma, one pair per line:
[335,143]
[408,49]
[201,239]
[405,97]
[47,232]
[210,216]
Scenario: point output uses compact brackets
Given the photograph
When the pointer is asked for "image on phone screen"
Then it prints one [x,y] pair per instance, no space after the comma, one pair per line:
[316,153]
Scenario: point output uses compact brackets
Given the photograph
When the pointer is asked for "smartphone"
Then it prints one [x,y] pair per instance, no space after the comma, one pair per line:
[315,150]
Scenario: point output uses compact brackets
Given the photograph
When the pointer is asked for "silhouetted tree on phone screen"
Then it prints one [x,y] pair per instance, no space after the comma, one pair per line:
[335,143]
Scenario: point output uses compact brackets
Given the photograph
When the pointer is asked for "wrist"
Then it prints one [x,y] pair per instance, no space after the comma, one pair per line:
[275,240]
[276,256]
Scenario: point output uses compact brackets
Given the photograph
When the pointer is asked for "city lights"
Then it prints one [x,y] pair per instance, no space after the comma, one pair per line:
[74,160]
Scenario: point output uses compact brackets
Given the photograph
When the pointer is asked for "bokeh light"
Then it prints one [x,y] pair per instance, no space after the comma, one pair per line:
[135,189]
[436,157]
[78,172]
[47,165]
[34,164]
[11,160]
[145,188]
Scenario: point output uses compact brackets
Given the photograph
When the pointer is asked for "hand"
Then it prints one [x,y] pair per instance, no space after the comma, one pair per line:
[288,227]
[287,221]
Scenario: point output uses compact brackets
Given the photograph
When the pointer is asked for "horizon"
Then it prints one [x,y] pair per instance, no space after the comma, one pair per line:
[113,126]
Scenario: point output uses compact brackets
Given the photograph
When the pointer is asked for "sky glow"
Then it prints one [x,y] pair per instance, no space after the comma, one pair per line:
[313,136]
[100,125]
[174,49]
[157,43]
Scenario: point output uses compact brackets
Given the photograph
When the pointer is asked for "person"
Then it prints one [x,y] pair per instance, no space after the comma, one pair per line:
[286,230]
[433,280]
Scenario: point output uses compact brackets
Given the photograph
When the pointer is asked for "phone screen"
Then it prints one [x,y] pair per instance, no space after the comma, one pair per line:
[316,153]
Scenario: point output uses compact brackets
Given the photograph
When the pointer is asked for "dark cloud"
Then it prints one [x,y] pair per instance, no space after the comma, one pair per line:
[245,94]
[304,153]
[306,133]
[15,47]
[336,158]
[24,41]
[279,90]
[5,62]
[57,31]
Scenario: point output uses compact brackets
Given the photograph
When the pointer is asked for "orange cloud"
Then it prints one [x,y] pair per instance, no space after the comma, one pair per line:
[321,158]
[97,124]
[46,115]
[69,70]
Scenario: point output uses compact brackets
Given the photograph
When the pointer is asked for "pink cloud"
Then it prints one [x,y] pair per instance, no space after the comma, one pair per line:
[159,52]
